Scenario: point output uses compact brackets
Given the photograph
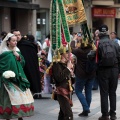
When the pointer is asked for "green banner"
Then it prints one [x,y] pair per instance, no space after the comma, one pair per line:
[63,19]
[58,27]
[53,12]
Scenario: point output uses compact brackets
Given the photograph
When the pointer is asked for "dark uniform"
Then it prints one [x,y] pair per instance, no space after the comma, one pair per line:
[61,75]
[108,78]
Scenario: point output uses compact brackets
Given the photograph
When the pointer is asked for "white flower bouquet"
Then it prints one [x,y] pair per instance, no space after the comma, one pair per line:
[9,74]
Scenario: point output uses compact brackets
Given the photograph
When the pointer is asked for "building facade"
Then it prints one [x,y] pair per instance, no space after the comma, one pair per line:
[106,12]
[17,14]
[42,19]
[28,16]
[32,16]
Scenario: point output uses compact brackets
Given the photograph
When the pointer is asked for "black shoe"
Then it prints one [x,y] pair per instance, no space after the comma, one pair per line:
[113,117]
[104,118]
[20,118]
[88,111]
[84,113]
[37,96]
[94,88]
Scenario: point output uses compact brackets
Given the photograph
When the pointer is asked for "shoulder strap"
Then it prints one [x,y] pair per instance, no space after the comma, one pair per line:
[96,59]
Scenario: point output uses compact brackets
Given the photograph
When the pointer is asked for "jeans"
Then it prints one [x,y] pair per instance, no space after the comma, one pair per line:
[86,98]
[95,84]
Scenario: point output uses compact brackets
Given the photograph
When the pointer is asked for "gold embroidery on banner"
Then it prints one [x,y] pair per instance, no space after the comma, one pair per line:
[75,12]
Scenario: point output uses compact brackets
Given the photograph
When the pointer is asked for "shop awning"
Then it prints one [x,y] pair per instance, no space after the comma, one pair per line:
[21,5]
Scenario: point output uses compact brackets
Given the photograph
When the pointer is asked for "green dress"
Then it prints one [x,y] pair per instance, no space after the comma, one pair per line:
[15,97]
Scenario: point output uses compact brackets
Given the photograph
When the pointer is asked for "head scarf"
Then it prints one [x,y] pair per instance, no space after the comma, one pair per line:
[39,44]
[3,46]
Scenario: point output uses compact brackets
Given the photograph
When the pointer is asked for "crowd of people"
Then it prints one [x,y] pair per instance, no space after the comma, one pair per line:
[80,67]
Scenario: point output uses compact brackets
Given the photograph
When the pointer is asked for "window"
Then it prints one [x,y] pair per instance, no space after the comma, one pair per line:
[25,1]
[18,0]
[117,1]
[0,20]
[42,24]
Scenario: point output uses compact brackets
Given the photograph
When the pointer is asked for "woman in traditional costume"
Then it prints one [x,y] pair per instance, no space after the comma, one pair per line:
[16,100]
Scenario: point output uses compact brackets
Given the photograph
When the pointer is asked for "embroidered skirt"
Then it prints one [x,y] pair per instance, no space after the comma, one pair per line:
[15,103]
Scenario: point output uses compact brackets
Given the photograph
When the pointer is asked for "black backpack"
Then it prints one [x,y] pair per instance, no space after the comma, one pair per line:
[107,53]
[91,65]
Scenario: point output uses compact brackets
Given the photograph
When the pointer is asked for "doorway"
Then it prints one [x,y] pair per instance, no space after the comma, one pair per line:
[13,18]
[97,22]
[0,20]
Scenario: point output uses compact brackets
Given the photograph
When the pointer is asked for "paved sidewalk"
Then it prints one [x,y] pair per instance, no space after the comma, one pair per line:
[47,109]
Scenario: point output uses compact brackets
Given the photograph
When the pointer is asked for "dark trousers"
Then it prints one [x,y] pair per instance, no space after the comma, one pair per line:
[108,81]
[65,112]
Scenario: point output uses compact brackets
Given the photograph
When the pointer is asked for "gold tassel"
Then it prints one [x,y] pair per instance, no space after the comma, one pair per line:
[58,56]
[85,44]
[87,41]
[53,95]
[70,86]
[48,69]
[78,44]
[64,49]
[94,47]
[83,41]
[55,58]
[69,48]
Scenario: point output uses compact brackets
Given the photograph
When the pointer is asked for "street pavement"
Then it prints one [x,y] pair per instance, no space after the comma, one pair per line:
[47,109]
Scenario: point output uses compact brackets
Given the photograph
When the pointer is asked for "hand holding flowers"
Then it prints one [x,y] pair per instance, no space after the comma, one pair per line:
[9,74]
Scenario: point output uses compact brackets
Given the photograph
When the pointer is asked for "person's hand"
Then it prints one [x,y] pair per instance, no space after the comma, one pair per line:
[69,65]
[72,73]
[16,54]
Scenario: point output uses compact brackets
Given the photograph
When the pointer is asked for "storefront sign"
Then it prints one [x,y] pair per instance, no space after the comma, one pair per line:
[104,12]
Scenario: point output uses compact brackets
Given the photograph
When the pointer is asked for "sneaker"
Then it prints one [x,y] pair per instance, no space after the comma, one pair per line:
[104,118]
[84,113]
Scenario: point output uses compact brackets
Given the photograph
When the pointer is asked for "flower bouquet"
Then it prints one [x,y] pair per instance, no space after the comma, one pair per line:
[9,75]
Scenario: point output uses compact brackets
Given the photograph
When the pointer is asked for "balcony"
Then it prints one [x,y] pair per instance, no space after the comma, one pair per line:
[103,2]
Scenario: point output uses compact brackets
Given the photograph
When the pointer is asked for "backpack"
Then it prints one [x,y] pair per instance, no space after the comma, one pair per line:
[107,53]
[91,65]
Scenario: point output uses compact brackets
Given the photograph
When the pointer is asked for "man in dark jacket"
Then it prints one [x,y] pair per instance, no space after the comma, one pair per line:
[29,51]
[107,74]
